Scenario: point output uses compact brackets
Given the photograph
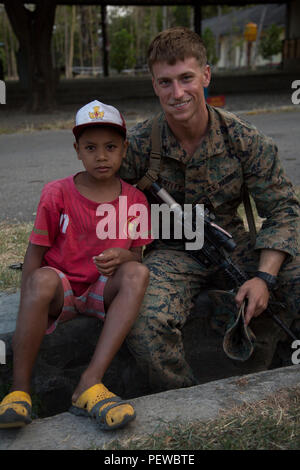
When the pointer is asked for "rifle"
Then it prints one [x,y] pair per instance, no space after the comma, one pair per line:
[217,245]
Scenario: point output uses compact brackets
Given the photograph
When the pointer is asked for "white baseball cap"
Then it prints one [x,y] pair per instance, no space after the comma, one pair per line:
[96,113]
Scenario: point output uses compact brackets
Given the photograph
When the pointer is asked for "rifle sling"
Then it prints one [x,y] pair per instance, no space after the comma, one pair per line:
[153,171]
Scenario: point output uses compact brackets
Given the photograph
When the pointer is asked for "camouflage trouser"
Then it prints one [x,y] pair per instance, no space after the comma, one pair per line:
[175,280]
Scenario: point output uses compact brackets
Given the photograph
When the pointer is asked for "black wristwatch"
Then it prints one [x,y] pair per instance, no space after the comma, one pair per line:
[270,280]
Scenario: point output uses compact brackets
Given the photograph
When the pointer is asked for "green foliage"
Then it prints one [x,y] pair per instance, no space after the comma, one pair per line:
[141,24]
[121,54]
[182,15]
[270,43]
[210,44]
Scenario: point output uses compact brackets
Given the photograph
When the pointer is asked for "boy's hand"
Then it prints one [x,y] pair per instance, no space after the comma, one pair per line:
[109,260]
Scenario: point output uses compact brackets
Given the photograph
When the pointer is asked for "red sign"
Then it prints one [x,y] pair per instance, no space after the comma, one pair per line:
[216,100]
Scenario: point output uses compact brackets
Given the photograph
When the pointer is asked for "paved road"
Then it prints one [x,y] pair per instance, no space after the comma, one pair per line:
[28,161]
[284,129]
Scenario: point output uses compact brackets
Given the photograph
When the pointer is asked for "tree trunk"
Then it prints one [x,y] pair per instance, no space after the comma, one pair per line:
[80,37]
[84,34]
[6,46]
[105,58]
[165,17]
[260,26]
[153,22]
[138,20]
[34,31]
[72,32]
[91,34]
[66,45]
[12,49]
[9,48]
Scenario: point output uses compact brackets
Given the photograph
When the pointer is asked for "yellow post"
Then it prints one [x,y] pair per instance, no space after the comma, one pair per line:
[250,34]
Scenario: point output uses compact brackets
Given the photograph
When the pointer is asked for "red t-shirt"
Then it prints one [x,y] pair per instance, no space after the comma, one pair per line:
[74,228]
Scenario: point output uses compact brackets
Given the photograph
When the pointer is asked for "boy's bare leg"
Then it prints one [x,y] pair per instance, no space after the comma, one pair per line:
[41,296]
[123,293]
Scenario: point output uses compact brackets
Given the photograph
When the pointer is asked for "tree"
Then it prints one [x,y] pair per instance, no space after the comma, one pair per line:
[121,55]
[33,28]
[270,43]
[210,44]
[69,41]
[8,51]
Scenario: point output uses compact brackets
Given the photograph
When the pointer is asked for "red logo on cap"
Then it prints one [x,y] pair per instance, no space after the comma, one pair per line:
[96,114]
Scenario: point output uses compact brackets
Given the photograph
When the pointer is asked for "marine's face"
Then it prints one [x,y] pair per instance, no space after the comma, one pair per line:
[180,87]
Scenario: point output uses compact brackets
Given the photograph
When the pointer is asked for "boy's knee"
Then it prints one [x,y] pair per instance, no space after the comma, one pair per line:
[43,281]
[135,274]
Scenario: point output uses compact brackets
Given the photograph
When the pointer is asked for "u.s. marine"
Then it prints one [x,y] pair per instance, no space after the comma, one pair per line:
[209,156]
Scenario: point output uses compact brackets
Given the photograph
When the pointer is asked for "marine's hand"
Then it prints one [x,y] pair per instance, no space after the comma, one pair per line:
[257,294]
[109,260]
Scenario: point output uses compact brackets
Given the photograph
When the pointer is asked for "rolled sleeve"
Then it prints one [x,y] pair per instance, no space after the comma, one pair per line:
[274,197]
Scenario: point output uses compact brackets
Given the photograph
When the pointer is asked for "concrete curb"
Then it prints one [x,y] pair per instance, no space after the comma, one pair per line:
[200,403]
[9,305]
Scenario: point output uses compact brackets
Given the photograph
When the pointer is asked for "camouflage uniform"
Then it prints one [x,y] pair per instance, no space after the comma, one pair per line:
[233,152]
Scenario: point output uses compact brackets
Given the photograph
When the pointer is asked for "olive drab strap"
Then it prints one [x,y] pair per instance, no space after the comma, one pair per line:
[152,173]
[249,214]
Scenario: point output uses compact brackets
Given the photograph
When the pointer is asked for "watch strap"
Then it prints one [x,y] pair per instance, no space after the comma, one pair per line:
[269,279]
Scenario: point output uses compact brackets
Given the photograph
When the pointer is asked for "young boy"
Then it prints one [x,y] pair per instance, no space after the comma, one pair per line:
[66,252]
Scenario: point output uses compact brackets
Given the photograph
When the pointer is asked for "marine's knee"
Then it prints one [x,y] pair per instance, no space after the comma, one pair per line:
[152,331]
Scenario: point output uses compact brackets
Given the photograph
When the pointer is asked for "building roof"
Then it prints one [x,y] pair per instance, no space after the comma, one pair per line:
[235,21]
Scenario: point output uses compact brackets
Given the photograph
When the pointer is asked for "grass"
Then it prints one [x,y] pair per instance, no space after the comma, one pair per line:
[41,126]
[270,424]
[13,244]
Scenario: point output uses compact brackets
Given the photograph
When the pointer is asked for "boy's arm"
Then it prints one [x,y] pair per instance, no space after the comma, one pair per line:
[32,260]
[108,261]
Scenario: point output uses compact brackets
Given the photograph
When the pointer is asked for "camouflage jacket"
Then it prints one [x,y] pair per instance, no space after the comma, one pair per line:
[232,153]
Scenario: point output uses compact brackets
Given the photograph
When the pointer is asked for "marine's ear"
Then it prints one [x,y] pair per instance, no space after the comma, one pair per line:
[206,75]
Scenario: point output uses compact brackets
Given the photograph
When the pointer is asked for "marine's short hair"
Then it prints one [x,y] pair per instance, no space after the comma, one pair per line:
[175,44]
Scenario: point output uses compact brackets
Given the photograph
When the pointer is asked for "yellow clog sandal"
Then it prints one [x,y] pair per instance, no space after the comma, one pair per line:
[109,410]
[15,410]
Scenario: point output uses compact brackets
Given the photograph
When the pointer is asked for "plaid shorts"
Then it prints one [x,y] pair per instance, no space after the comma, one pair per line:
[90,303]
